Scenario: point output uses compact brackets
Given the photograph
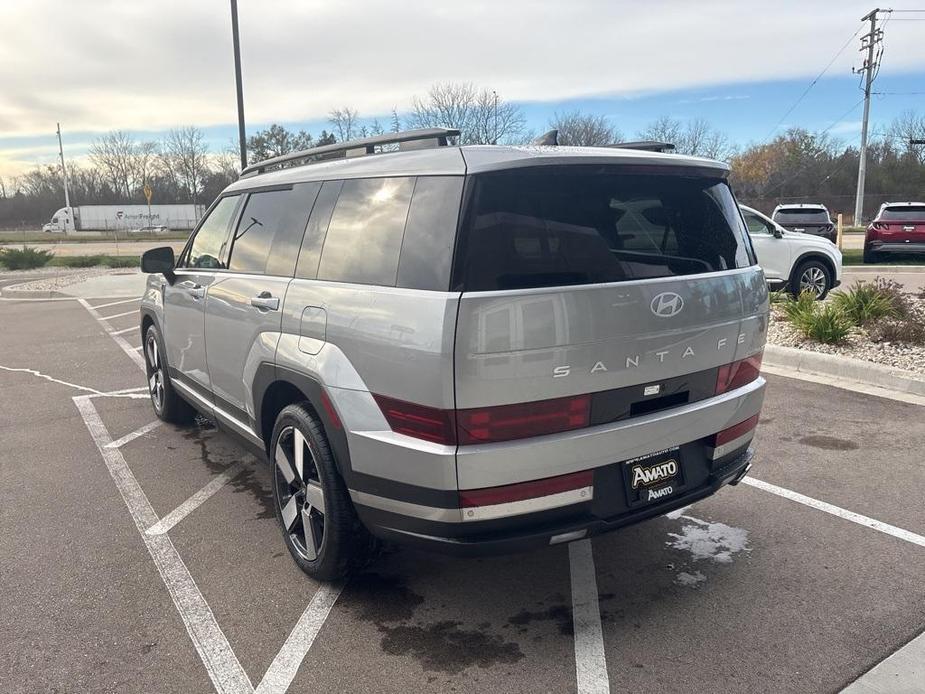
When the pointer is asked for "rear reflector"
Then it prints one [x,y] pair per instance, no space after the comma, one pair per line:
[525,490]
[509,422]
[738,373]
[735,431]
[419,421]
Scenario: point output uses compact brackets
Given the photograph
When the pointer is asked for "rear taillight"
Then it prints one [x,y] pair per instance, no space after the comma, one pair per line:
[735,431]
[419,421]
[738,373]
[508,422]
[526,490]
[486,424]
[879,226]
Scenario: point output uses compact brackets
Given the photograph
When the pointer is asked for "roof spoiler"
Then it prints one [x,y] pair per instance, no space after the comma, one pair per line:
[646,146]
[423,138]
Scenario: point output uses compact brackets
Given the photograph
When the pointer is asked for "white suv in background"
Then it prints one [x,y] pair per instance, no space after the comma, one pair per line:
[793,260]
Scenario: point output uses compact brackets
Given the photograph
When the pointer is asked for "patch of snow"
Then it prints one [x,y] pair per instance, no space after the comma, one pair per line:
[690,580]
[714,541]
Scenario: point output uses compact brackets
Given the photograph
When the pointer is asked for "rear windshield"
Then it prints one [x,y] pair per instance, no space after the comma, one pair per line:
[906,213]
[798,216]
[545,228]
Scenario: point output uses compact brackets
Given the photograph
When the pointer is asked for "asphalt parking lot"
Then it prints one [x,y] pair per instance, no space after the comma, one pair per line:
[139,557]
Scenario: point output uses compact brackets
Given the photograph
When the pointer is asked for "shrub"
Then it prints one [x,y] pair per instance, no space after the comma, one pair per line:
[799,309]
[779,297]
[97,261]
[827,324]
[893,290]
[866,301]
[891,330]
[25,258]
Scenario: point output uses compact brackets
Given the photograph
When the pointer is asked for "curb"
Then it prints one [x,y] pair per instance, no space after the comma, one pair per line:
[886,268]
[12,292]
[846,368]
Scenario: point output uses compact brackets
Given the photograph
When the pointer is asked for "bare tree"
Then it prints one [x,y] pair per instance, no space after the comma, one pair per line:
[2,188]
[345,122]
[185,158]
[115,154]
[696,137]
[584,129]
[906,127]
[481,115]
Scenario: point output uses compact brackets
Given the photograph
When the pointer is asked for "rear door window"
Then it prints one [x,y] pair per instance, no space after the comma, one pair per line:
[270,230]
[571,225]
[364,236]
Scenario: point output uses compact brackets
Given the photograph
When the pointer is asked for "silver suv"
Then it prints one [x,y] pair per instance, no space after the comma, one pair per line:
[475,349]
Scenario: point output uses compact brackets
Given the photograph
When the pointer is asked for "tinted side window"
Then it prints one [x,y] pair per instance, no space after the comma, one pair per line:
[365,234]
[756,225]
[427,247]
[270,230]
[316,230]
[207,246]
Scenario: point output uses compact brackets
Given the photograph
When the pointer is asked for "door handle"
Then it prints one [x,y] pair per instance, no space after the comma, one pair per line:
[197,291]
[265,301]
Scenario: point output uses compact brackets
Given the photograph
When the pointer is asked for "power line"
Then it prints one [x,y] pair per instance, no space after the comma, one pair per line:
[813,83]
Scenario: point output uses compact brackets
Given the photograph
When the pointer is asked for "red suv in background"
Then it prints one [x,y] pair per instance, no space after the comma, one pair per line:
[899,227]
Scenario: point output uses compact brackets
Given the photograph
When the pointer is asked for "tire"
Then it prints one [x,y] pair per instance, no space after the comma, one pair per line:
[871,257]
[316,517]
[811,275]
[167,404]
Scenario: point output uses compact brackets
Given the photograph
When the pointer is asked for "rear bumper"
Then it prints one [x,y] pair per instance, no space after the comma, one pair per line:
[567,524]
[898,248]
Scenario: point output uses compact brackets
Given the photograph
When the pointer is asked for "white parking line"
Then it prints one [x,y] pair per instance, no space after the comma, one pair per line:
[836,511]
[220,662]
[117,303]
[590,662]
[286,664]
[121,315]
[903,671]
[141,431]
[134,355]
[187,507]
[124,330]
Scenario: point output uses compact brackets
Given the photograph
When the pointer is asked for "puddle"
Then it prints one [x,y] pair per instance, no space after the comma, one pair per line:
[690,580]
[829,443]
[716,542]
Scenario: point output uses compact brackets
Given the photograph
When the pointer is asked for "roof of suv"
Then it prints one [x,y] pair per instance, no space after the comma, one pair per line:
[467,159]
[800,206]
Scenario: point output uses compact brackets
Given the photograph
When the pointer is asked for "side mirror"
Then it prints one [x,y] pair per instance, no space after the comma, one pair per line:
[159,261]
[778,234]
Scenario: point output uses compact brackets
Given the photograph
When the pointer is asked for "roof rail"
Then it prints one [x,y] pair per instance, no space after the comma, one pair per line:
[423,138]
[646,145]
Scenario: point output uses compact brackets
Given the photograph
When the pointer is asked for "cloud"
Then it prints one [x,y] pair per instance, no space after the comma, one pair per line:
[101,64]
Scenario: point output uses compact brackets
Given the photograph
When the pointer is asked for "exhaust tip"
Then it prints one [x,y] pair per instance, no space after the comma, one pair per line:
[744,471]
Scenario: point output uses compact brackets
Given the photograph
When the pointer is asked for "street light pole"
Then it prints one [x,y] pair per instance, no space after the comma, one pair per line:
[67,197]
[242,139]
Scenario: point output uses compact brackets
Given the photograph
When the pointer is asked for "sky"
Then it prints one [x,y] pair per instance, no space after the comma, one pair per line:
[144,67]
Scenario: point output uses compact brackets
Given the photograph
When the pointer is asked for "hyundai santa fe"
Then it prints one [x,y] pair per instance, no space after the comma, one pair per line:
[468,348]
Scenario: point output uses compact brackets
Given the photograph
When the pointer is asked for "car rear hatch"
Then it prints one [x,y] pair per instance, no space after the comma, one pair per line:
[808,221]
[594,299]
[901,224]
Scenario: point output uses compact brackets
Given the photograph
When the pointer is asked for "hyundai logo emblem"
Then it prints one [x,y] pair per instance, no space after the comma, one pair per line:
[667,304]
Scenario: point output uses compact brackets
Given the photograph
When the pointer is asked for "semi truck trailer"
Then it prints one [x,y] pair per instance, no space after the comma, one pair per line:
[117,217]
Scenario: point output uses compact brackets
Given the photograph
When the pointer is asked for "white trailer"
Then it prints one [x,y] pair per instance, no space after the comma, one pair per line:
[124,217]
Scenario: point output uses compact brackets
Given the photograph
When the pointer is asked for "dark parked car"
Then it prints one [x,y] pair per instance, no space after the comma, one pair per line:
[808,218]
[899,227]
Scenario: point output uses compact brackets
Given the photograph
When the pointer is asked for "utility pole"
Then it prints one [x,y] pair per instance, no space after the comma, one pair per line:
[67,197]
[496,116]
[242,139]
[868,42]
